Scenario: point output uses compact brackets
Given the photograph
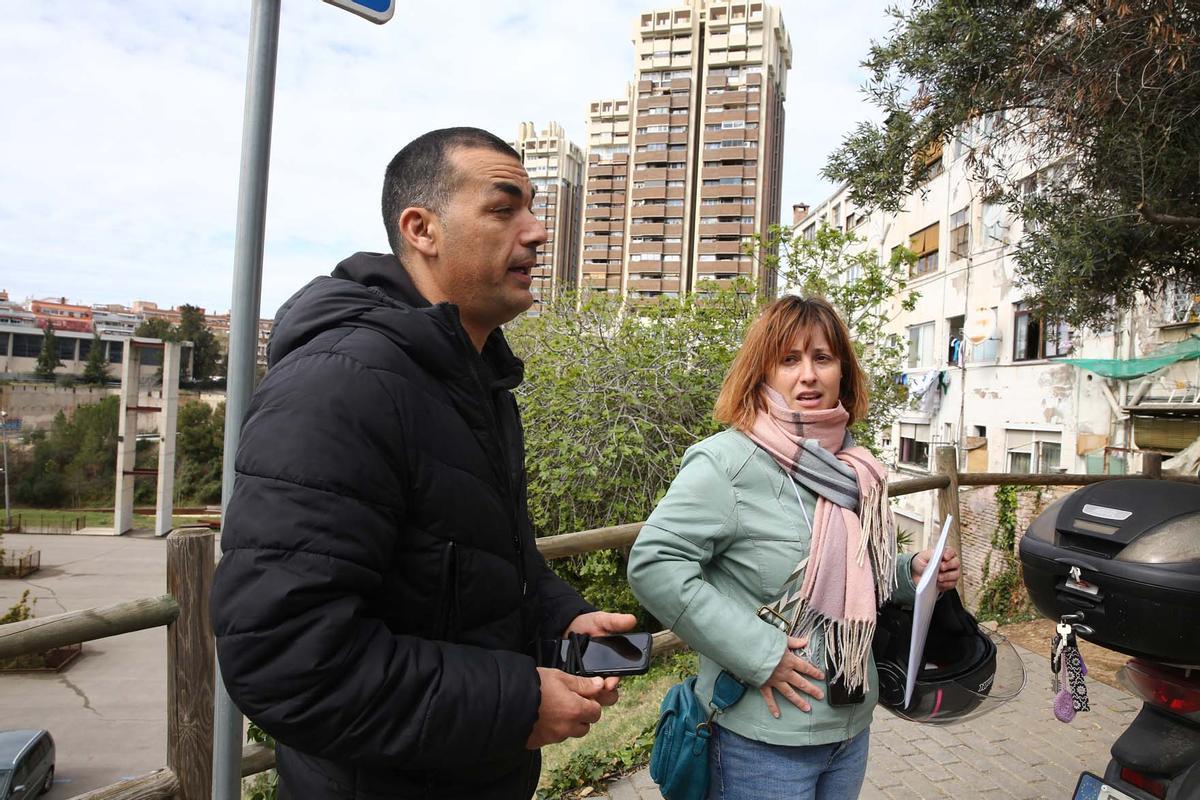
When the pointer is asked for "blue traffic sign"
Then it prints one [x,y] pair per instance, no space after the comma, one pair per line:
[378,11]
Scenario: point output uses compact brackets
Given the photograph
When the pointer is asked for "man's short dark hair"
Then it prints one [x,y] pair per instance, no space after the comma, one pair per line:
[421,175]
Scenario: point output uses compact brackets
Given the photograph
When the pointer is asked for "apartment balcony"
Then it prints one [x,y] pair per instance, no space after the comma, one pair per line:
[727,134]
[731,97]
[651,248]
[590,214]
[650,157]
[681,83]
[729,171]
[724,228]
[720,248]
[673,230]
[726,209]
[652,174]
[598,184]
[653,138]
[728,153]
[651,210]
[727,191]
[645,103]
[647,229]
[648,285]
[655,193]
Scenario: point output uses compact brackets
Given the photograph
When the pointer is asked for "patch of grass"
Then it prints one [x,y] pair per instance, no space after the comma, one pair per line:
[621,741]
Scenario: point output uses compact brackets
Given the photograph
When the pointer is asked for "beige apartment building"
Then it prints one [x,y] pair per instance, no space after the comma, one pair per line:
[988,376]
[686,169]
[555,166]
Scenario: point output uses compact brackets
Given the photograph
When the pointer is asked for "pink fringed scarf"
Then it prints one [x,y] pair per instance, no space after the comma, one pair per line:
[852,553]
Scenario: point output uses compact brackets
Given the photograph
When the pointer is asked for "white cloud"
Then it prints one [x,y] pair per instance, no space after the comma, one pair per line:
[123,122]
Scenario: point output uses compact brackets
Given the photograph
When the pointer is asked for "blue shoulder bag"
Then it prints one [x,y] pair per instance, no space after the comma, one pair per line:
[679,761]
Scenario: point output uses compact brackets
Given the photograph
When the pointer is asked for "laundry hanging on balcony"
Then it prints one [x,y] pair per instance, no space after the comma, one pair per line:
[925,391]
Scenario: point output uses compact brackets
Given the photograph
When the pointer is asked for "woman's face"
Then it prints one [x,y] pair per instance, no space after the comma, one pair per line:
[808,375]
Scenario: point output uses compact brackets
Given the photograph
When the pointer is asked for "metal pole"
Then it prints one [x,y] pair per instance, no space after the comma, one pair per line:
[4,437]
[243,326]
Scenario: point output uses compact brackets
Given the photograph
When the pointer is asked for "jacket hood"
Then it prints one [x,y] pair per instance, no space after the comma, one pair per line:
[374,291]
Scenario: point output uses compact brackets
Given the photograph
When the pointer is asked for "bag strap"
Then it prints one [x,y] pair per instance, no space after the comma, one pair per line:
[727,690]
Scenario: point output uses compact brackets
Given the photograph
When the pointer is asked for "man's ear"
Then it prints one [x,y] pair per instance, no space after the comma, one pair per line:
[418,229]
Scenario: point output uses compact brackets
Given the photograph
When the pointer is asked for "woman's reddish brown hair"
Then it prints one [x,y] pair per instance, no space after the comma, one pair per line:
[768,339]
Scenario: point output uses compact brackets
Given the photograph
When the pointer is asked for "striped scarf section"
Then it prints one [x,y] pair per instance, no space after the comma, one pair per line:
[850,570]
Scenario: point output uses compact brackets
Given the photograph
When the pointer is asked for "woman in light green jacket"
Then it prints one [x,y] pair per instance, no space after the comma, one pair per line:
[770,554]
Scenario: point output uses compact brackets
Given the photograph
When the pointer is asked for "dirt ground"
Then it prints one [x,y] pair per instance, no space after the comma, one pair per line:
[1035,636]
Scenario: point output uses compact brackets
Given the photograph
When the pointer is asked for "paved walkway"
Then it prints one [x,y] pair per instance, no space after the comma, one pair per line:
[1018,751]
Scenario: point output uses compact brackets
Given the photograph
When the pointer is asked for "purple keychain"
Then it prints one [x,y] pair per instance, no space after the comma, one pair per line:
[1068,671]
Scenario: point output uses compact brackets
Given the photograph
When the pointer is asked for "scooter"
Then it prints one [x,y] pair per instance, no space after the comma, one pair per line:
[1120,561]
[1158,756]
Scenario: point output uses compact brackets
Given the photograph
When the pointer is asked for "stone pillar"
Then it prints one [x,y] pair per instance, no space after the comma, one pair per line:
[164,496]
[126,440]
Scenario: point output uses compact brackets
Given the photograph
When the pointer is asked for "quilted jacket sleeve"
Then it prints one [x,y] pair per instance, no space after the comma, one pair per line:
[318,498]
[696,520]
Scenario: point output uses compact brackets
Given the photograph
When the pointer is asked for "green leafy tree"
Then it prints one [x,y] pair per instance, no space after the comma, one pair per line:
[865,290]
[206,350]
[47,360]
[199,451]
[73,463]
[95,371]
[157,328]
[612,397]
[1100,96]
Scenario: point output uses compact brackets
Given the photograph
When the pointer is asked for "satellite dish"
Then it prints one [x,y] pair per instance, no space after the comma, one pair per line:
[980,326]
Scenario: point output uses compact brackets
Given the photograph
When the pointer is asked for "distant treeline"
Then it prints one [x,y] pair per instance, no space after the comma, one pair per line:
[73,463]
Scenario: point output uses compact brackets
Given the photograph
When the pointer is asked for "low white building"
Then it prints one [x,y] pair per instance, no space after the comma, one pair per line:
[987,376]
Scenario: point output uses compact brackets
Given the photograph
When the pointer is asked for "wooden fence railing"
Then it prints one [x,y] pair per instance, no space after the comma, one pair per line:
[191,649]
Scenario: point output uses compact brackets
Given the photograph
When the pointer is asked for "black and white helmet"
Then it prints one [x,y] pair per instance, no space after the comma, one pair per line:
[966,670]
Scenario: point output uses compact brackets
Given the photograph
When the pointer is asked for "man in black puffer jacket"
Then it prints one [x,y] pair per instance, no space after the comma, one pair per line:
[380,596]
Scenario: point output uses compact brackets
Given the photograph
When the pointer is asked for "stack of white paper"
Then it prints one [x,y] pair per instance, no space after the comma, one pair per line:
[923,611]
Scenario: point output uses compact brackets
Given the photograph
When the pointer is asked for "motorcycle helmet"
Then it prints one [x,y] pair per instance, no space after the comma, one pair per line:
[965,670]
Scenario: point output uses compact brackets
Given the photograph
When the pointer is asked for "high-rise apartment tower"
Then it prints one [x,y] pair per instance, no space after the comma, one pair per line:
[555,167]
[684,171]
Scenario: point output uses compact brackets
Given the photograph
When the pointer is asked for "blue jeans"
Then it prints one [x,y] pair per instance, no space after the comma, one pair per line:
[743,769]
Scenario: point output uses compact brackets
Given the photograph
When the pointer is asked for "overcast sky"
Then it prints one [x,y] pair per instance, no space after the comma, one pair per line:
[121,124]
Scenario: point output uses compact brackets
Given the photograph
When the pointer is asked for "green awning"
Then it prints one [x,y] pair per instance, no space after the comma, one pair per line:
[1124,369]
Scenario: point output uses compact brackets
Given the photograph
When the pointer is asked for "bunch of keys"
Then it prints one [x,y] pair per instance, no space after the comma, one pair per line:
[1067,670]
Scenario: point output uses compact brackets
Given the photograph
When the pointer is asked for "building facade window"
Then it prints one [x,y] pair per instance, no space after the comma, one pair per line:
[920,346]
[1034,338]
[914,445]
[929,162]
[65,348]
[955,342]
[1033,451]
[960,234]
[925,244]
[27,345]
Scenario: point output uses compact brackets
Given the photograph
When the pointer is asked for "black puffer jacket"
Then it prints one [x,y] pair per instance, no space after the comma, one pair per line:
[380,593]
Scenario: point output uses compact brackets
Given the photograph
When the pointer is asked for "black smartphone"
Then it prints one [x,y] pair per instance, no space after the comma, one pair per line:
[838,694]
[605,656]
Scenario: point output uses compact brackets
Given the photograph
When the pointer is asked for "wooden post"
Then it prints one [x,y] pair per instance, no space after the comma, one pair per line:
[947,464]
[1152,465]
[191,655]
